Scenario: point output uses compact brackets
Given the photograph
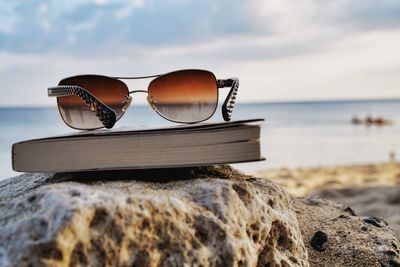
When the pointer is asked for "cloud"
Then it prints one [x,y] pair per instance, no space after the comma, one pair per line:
[281,49]
[8,21]
[102,24]
[359,66]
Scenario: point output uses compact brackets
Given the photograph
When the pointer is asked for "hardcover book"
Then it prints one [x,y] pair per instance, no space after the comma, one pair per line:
[117,149]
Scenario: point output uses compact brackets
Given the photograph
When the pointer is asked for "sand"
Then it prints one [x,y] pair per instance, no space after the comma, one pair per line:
[370,189]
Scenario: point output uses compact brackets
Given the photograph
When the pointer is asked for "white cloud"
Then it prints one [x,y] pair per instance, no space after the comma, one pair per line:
[8,22]
[43,8]
[286,50]
[127,8]
[100,2]
[360,66]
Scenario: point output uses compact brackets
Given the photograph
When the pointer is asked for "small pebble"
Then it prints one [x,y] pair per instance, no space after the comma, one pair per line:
[350,211]
[318,241]
[373,221]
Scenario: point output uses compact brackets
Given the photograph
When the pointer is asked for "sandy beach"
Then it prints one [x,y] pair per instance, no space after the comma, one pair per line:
[369,189]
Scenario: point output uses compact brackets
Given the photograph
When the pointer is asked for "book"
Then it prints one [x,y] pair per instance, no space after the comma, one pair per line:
[119,149]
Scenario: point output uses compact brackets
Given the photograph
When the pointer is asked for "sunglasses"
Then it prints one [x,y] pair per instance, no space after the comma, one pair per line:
[87,102]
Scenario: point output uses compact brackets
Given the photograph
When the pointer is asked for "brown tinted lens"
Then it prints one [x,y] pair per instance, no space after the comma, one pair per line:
[77,114]
[185,96]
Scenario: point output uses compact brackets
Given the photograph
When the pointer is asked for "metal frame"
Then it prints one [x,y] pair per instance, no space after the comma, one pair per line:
[108,116]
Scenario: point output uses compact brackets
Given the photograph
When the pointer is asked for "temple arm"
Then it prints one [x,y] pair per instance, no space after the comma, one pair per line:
[229,102]
[106,115]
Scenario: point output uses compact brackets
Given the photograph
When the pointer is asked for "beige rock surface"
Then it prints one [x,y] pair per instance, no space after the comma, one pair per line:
[108,219]
[212,216]
[381,202]
[335,236]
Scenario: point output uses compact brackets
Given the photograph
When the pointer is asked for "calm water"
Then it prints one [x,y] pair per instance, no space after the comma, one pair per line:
[294,134]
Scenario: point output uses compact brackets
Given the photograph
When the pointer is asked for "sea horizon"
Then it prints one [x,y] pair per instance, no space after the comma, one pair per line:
[294,134]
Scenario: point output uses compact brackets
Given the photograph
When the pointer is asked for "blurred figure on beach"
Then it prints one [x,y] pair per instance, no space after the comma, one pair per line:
[392,156]
[369,120]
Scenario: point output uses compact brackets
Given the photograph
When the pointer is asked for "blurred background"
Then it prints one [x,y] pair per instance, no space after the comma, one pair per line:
[308,67]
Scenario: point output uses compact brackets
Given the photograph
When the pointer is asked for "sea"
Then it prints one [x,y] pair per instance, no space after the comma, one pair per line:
[294,134]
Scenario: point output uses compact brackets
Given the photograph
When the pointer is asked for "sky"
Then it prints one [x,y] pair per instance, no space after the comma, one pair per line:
[281,50]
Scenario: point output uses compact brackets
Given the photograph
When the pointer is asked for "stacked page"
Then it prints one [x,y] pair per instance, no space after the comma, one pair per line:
[182,146]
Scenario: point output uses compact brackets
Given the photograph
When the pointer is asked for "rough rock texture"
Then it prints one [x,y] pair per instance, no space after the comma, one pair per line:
[335,236]
[377,201]
[212,216]
[108,219]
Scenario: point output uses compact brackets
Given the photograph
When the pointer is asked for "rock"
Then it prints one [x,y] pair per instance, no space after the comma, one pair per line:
[318,241]
[335,236]
[377,222]
[376,201]
[108,219]
[211,216]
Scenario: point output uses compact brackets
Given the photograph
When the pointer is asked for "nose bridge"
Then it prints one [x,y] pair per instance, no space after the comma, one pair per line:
[138,91]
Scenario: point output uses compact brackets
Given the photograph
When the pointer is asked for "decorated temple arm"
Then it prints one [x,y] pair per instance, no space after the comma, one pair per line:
[105,114]
[230,100]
